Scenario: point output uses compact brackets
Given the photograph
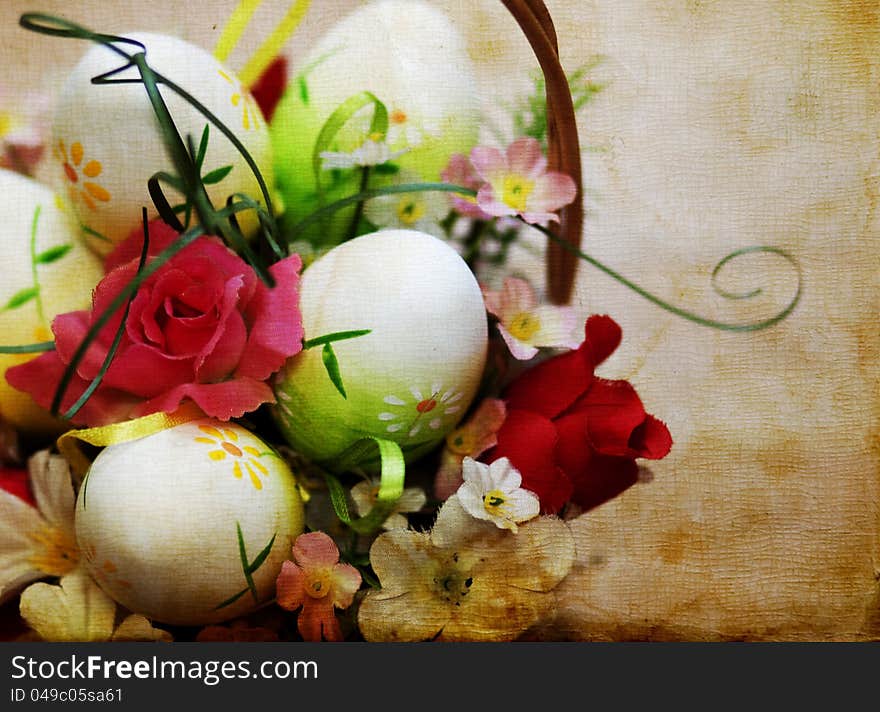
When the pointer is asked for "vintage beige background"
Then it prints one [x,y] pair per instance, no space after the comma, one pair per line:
[724,123]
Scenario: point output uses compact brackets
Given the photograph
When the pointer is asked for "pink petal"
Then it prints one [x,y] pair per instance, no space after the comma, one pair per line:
[346,582]
[275,323]
[542,219]
[488,162]
[227,306]
[226,354]
[70,329]
[525,158]
[146,371]
[551,192]
[317,620]
[161,236]
[230,399]
[517,296]
[315,550]
[449,475]
[289,586]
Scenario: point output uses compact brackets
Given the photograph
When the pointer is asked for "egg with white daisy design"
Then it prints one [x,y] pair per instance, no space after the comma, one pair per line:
[189,525]
[107,186]
[414,363]
[411,57]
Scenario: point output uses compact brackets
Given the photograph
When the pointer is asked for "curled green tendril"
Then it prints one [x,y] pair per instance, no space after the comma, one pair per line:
[188,179]
[654,299]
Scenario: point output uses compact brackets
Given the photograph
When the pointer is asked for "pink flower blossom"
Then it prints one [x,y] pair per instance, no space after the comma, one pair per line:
[518,182]
[460,171]
[525,325]
[471,439]
[317,582]
[203,327]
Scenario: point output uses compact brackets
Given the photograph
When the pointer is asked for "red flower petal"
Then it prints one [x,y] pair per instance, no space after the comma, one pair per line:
[528,440]
[275,322]
[269,87]
[605,478]
[602,337]
[229,399]
[651,439]
[15,481]
[552,386]
[613,411]
[161,236]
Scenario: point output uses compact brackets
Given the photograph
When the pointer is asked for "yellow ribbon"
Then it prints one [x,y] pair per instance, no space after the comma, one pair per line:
[271,47]
[102,436]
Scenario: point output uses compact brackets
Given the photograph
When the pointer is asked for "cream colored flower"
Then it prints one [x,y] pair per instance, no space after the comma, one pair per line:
[418,210]
[467,580]
[412,500]
[78,611]
[493,492]
[372,152]
[36,542]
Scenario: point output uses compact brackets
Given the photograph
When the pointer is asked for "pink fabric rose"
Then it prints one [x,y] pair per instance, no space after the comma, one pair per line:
[203,327]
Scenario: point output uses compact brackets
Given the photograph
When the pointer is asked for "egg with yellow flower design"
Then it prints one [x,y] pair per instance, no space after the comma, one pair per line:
[107,144]
[46,271]
[189,525]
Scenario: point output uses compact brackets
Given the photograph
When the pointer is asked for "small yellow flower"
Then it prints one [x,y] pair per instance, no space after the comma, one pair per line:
[76,174]
[245,457]
[251,117]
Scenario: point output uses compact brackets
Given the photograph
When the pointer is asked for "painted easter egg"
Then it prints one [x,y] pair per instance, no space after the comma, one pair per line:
[189,525]
[409,55]
[46,271]
[413,376]
[108,144]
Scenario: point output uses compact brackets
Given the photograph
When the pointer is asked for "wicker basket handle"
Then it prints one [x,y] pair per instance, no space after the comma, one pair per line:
[563,145]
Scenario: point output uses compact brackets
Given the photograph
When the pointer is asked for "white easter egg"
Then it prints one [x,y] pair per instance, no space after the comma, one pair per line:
[46,271]
[107,142]
[411,378]
[190,525]
[414,59]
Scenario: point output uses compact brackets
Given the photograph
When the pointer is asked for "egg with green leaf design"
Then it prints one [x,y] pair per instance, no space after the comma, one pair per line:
[412,58]
[107,142]
[46,271]
[397,336]
[189,525]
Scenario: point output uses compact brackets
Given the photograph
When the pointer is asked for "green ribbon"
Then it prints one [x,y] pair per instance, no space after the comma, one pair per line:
[393,473]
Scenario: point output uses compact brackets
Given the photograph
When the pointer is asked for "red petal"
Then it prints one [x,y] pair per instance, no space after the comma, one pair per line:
[15,481]
[269,87]
[161,235]
[602,337]
[274,322]
[528,440]
[552,386]
[613,411]
[605,478]
[230,399]
[651,439]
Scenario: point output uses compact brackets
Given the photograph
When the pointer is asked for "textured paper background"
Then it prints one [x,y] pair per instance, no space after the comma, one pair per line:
[724,123]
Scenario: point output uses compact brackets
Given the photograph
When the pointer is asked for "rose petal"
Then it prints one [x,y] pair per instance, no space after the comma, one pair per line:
[606,478]
[226,400]
[602,336]
[651,439]
[613,410]
[269,87]
[161,236]
[275,324]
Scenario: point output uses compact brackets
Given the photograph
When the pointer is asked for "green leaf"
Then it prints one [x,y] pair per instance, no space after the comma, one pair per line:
[53,254]
[203,147]
[328,355]
[261,557]
[338,498]
[216,175]
[245,566]
[94,233]
[21,297]
[335,336]
[303,90]
[232,599]
[386,169]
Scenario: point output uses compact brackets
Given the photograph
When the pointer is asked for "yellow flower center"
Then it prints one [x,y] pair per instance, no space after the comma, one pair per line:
[516,191]
[410,211]
[58,553]
[318,584]
[523,326]
[494,502]
[461,442]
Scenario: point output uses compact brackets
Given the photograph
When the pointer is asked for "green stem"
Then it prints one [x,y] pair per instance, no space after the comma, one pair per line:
[38,297]
[359,209]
